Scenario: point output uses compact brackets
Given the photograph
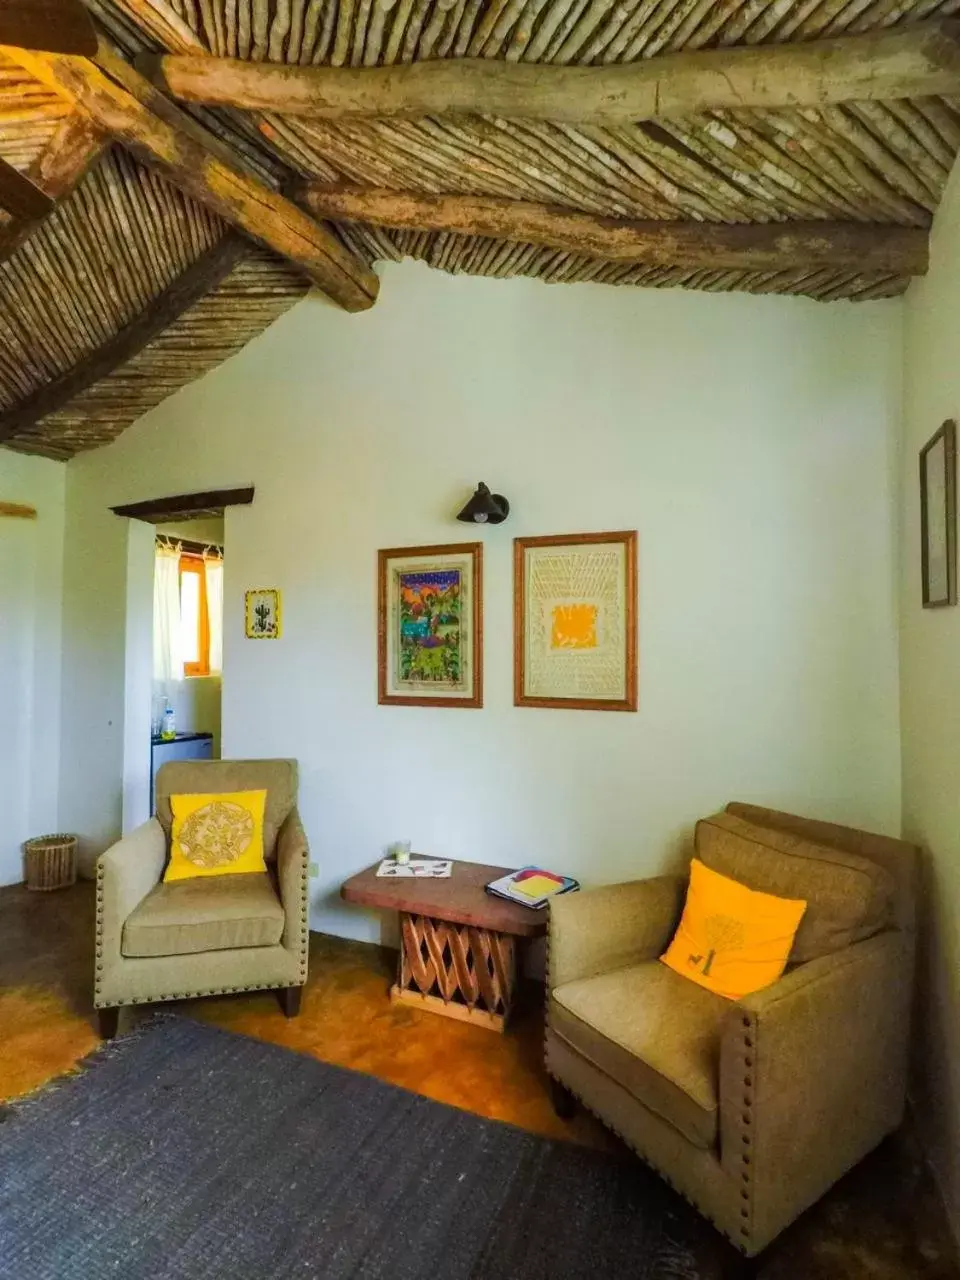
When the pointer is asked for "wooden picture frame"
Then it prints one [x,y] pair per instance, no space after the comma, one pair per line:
[430,626]
[575,621]
[938,518]
[262,614]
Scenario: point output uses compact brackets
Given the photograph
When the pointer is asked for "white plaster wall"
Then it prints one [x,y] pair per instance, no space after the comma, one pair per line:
[138,673]
[31,567]
[930,693]
[751,441]
[206,529]
[95,570]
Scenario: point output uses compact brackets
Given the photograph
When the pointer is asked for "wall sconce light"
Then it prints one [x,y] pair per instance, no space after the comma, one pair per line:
[485,507]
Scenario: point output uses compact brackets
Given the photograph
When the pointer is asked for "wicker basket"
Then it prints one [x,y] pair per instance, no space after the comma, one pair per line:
[49,862]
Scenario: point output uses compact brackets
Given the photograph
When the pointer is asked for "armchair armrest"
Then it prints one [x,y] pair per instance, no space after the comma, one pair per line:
[126,873]
[813,1074]
[599,930]
[293,858]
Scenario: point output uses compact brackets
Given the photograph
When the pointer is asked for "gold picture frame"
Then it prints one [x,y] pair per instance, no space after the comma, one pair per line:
[575,621]
[430,626]
[262,613]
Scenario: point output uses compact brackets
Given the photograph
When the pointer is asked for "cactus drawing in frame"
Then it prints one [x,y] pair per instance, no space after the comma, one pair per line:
[262,614]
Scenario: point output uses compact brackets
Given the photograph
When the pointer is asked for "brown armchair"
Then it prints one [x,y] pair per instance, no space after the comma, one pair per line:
[753,1108]
[207,936]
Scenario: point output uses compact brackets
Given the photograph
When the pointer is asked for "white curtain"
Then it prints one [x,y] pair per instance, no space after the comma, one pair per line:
[214,572]
[167,651]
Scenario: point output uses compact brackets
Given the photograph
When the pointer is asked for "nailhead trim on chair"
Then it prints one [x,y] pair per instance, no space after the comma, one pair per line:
[208,991]
[746,1153]
[99,965]
[305,915]
[743,1243]
[186,995]
[662,1173]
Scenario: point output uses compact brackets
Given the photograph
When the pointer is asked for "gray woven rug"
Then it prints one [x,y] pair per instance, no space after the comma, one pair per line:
[182,1152]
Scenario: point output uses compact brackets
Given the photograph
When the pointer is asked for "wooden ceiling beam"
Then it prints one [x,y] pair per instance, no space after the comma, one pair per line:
[751,247]
[20,197]
[208,271]
[59,26]
[59,168]
[159,134]
[901,63]
[186,506]
[68,156]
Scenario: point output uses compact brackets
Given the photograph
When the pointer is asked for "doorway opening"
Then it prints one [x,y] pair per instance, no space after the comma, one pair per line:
[185,669]
[187,642]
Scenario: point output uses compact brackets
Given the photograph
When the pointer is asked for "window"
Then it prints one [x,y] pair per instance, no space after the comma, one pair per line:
[194,618]
[187,611]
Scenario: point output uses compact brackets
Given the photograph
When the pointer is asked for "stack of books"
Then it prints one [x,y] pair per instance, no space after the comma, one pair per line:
[531,886]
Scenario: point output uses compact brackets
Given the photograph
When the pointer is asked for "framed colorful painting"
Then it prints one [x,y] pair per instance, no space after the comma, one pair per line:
[575,621]
[430,626]
[262,614]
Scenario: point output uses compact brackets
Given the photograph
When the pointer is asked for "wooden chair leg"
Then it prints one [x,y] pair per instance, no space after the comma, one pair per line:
[289,998]
[564,1103]
[109,1020]
[737,1267]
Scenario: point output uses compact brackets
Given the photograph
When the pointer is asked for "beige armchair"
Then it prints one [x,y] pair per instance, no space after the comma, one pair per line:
[751,1109]
[207,936]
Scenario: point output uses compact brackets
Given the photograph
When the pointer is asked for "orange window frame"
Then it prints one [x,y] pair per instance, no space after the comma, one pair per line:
[195,565]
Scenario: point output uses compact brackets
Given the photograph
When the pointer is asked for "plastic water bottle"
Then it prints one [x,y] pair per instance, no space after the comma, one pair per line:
[169,730]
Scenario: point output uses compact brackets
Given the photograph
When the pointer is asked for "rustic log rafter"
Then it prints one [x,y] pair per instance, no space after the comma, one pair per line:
[20,197]
[60,167]
[60,26]
[206,273]
[117,102]
[746,247]
[911,62]
[186,506]
[159,134]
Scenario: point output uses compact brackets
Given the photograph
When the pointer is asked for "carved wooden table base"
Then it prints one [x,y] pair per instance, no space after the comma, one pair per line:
[458,970]
[459,944]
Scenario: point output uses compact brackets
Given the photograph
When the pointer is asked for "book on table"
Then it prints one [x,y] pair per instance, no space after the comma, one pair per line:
[531,886]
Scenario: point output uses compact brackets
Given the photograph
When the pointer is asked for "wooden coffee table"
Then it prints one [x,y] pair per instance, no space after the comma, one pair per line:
[458,944]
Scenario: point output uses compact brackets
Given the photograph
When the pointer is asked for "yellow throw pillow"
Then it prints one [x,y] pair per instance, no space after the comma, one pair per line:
[731,939]
[216,835]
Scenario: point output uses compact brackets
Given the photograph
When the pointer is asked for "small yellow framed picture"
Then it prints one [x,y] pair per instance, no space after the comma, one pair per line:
[262,614]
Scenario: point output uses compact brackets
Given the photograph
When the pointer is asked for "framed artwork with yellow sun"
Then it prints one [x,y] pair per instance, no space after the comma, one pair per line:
[575,621]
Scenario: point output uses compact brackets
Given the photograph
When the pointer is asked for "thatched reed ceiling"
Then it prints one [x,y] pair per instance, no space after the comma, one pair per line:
[121,294]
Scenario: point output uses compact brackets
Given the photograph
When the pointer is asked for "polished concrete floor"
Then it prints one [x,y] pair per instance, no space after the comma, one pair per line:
[882,1222]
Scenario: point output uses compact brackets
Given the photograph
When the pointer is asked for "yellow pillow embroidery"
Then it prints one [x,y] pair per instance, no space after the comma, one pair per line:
[216,835]
[731,939]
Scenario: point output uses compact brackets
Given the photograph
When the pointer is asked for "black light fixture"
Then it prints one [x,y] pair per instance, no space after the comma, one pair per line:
[485,507]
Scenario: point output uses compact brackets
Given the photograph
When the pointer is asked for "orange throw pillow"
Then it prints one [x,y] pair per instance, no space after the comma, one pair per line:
[731,939]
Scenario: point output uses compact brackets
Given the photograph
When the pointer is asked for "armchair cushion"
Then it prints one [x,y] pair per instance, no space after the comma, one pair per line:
[848,898]
[278,777]
[188,916]
[654,1033]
